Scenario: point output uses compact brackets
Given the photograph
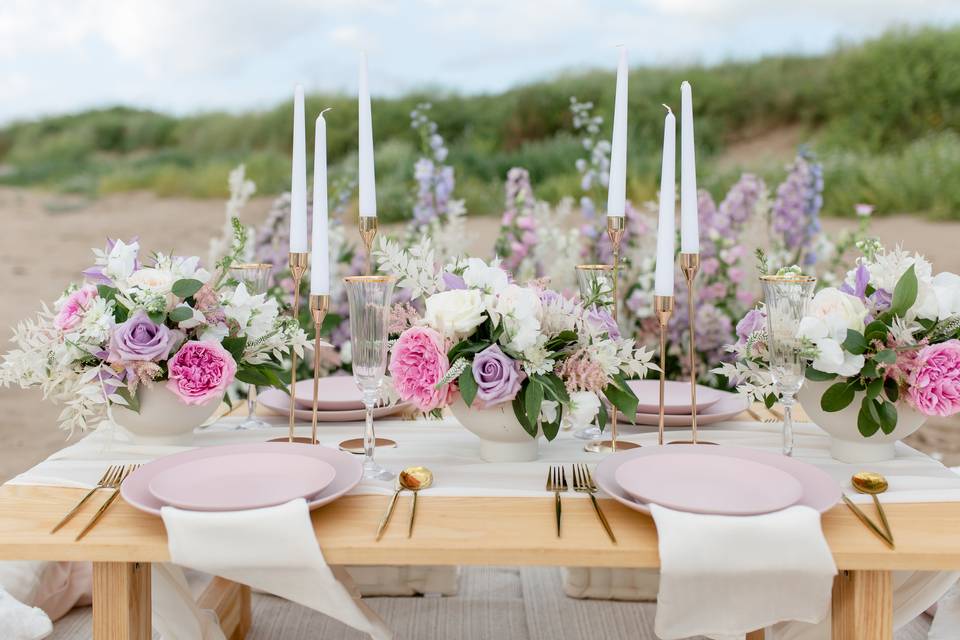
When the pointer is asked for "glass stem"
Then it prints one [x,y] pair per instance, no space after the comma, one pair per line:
[787,402]
[251,401]
[369,435]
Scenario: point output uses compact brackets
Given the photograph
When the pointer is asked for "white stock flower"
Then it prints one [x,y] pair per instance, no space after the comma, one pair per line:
[254,314]
[455,313]
[584,406]
[489,279]
[520,311]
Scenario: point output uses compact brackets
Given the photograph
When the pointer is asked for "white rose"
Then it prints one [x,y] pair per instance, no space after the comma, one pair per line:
[838,311]
[946,289]
[584,407]
[927,305]
[478,275]
[455,313]
[150,279]
[521,312]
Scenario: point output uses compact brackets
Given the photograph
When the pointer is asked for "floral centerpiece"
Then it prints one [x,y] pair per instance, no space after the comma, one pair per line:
[524,353]
[883,352]
[136,328]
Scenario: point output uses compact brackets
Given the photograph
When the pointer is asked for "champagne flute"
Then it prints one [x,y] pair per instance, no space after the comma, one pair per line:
[595,282]
[255,276]
[370,298]
[786,297]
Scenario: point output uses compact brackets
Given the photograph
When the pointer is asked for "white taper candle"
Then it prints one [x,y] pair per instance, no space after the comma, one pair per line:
[689,216]
[320,243]
[298,179]
[367,180]
[663,278]
[617,191]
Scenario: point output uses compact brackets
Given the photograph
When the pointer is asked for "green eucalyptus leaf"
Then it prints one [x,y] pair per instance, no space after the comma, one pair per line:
[602,416]
[818,376]
[532,400]
[866,424]
[179,314]
[874,388]
[157,317]
[624,400]
[186,287]
[551,429]
[468,386]
[905,293]
[235,346]
[855,343]
[876,330]
[887,356]
[837,397]
[520,412]
[888,416]
[891,389]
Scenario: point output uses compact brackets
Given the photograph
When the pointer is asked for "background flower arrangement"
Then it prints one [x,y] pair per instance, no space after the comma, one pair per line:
[887,336]
[491,341]
[130,325]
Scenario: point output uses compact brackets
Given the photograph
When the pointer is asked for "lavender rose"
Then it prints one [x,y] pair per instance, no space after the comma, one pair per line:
[498,377]
[139,338]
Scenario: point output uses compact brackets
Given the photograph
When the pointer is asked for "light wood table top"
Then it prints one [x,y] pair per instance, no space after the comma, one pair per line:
[476,530]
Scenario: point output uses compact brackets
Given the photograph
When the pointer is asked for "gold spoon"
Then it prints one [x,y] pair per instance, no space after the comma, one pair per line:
[389,512]
[414,479]
[873,484]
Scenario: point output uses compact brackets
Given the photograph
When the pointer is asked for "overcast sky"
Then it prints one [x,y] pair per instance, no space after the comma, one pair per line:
[189,55]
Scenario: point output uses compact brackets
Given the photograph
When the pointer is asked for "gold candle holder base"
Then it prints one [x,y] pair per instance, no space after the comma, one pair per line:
[616,226]
[368,231]
[690,266]
[355,445]
[298,261]
[319,304]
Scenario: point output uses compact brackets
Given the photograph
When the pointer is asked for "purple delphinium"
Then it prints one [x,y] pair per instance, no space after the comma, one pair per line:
[517,227]
[796,210]
[434,180]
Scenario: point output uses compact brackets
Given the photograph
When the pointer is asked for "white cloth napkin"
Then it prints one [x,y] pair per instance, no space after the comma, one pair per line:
[274,550]
[723,576]
[21,622]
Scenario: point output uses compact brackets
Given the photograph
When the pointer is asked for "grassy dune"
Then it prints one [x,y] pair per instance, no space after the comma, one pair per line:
[883,116]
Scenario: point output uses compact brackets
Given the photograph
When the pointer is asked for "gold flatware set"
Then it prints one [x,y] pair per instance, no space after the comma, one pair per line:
[582,483]
[412,479]
[111,480]
[872,484]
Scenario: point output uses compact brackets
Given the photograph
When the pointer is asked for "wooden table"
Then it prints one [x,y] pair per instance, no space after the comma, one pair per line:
[457,531]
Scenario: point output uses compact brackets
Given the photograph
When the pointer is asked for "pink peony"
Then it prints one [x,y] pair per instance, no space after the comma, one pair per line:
[200,371]
[417,363]
[74,306]
[935,379]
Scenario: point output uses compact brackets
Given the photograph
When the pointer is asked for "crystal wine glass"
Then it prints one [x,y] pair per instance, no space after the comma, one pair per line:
[369,298]
[255,276]
[595,282]
[786,298]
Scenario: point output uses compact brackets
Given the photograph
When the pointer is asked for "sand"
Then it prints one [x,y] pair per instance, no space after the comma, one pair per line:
[46,242]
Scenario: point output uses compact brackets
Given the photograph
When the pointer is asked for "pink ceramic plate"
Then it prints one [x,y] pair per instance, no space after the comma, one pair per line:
[278,402]
[708,484]
[676,396]
[349,470]
[238,481]
[336,393]
[728,406]
[820,491]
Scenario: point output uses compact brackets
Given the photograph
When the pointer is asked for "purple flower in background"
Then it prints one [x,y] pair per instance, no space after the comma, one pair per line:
[755,320]
[498,376]
[517,234]
[435,181]
[796,210]
[139,338]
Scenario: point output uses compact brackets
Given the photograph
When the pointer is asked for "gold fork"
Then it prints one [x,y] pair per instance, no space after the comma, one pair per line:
[557,482]
[583,483]
[127,470]
[111,475]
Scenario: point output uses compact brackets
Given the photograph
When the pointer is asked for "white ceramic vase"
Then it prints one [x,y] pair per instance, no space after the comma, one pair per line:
[502,437]
[846,443]
[163,418]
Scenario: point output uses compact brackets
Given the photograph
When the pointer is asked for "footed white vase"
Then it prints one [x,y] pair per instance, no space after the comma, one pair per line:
[846,443]
[502,437]
[163,417]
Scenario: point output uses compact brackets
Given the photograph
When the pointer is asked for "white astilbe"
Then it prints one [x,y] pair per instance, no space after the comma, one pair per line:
[415,268]
[241,190]
[560,314]
[557,250]
[752,379]
[277,342]
[449,233]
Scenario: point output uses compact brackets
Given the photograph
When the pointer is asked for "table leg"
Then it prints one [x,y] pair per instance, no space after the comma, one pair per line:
[231,601]
[862,606]
[121,601]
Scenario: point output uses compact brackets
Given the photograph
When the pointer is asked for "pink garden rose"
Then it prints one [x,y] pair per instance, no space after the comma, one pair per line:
[74,306]
[418,361]
[200,371]
[935,379]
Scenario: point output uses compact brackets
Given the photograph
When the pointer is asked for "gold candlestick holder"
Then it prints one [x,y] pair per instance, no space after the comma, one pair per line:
[298,261]
[616,225]
[319,304]
[690,266]
[663,308]
[368,231]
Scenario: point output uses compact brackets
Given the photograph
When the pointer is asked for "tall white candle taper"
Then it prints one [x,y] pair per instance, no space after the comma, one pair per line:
[320,260]
[689,218]
[298,179]
[617,192]
[368,186]
[663,278]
